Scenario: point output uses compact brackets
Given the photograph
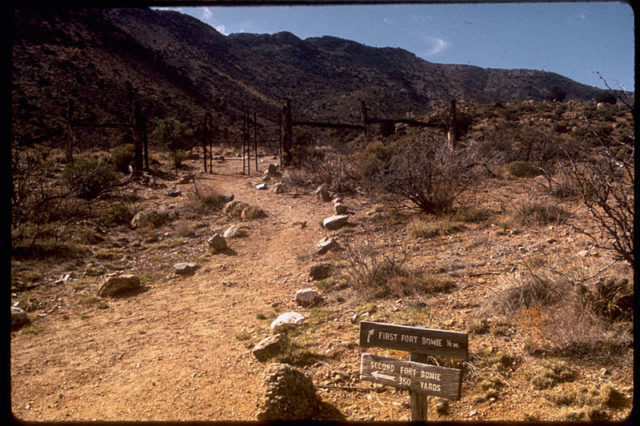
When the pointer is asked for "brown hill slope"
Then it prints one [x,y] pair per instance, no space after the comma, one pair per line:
[181,67]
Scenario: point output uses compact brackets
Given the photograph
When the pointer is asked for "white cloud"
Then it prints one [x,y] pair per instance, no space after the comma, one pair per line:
[206,13]
[435,45]
[221,29]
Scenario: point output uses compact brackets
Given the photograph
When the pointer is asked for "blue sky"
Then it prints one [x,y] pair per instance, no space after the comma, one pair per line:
[571,39]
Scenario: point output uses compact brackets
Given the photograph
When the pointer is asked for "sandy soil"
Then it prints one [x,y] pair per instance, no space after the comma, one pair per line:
[180,349]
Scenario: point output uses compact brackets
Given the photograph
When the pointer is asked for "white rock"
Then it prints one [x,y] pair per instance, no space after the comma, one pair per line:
[235,231]
[286,321]
[335,222]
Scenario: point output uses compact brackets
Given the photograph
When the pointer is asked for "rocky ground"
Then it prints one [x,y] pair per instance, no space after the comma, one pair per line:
[180,348]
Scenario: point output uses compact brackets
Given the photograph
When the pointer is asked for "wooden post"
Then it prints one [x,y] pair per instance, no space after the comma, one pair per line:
[203,140]
[255,138]
[145,144]
[365,121]
[452,136]
[211,148]
[287,130]
[247,141]
[280,138]
[69,137]
[419,400]
[244,138]
[137,137]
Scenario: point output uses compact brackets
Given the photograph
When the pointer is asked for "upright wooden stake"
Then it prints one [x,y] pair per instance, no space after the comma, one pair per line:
[138,130]
[244,138]
[255,138]
[280,138]
[452,136]
[287,130]
[365,121]
[69,137]
[418,400]
[145,144]
[211,152]
[203,140]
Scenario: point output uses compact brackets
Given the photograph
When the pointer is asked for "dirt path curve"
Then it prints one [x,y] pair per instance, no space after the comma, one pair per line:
[174,352]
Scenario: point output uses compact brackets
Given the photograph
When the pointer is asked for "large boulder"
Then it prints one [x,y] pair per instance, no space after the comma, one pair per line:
[335,222]
[326,244]
[18,317]
[217,243]
[291,395]
[252,212]
[269,347]
[119,285]
[234,208]
[287,321]
[185,268]
[307,297]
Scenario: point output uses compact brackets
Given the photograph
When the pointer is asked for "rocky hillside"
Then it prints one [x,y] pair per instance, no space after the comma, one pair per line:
[182,67]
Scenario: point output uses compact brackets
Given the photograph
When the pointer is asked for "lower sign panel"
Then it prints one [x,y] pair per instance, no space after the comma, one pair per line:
[415,376]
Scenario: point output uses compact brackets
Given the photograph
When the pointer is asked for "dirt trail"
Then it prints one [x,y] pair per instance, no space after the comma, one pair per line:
[172,352]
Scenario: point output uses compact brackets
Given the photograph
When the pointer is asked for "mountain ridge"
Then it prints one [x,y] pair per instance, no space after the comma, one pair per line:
[179,66]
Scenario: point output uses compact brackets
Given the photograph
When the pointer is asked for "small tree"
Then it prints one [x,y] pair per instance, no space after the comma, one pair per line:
[174,135]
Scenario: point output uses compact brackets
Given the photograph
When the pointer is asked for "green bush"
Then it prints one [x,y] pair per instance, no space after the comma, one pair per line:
[88,177]
[122,156]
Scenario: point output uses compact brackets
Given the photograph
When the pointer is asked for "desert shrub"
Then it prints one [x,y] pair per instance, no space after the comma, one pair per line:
[175,136]
[606,186]
[375,155]
[605,98]
[303,155]
[206,199]
[552,373]
[337,170]
[559,315]
[122,156]
[428,173]
[538,213]
[471,215]
[611,299]
[558,94]
[445,225]
[560,128]
[523,169]
[375,270]
[89,178]
[560,183]
[117,213]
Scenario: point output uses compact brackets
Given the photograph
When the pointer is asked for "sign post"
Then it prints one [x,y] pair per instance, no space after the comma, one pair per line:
[420,378]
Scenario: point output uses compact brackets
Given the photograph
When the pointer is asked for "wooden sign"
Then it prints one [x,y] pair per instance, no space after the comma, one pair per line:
[414,376]
[414,339]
